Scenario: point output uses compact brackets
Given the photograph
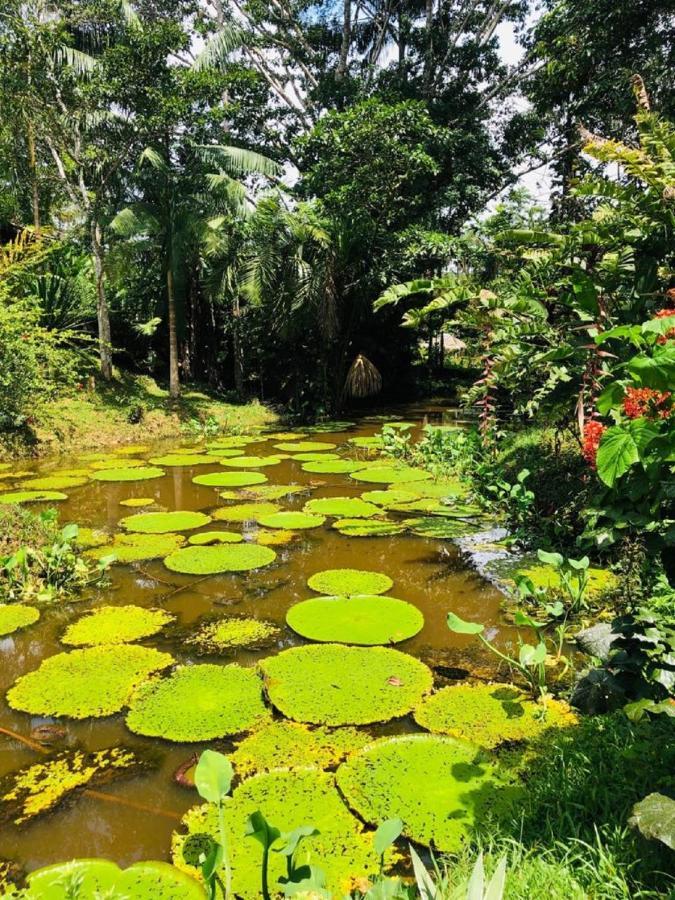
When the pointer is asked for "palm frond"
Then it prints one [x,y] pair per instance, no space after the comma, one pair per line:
[363,379]
[238,161]
[218,48]
[81,63]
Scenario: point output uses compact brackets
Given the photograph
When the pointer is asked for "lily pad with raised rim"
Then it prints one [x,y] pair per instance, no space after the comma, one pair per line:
[275,538]
[101,878]
[143,473]
[14,616]
[181,459]
[332,467]
[368,527]
[233,441]
[245,512]
[230,479]
[372,442]
[291,521]
[53,483]
[225,634]
[219,559]
[391,474]
[134,502]
[32,496]
[250,462]
[387,497]
[115,625]
[365,620]
[286,435]
[275,491]
[215,537]
[342,507]
[439,528]
[314,457]
[130,548]
[165,522]
[304,446]
[346,582]
[114,462]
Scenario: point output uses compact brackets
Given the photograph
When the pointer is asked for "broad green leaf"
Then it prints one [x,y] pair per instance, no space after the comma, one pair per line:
[522,620]
[551,559]
[580,564]
[643,432]
[259,828]
[654,818]
[292,839]
[616,454]
[611,397]
[213,776]
[460,626]
[386,834]
[657,371]
[659,326]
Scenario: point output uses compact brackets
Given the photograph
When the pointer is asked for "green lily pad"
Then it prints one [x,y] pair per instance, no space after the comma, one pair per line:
[332,467]
[331,684]
[115,625]
[275,491]
[221,558]
[86,683]
[386,498]
[134,502]
[488,714]
[53,483]
[101,878]
[366,620]
[129,548]
[251,462]
[14,616]
[442,788]
[38,788]
[230,479]
[430,506]
[221,635]
[368,527]
[224,453]
[438,528]
[304,446]
[291,521]
[449,487]
[233,441]
[286,436]
[215,537]
[314,457]
[342,507]
[91,537]
[346,582]
[164,522]
[181,459]
[198,703]
[245,512]
[32,496]
[132,449]
[342,848]
[144,473]
[373,442]
[391,474]
[330,427]
[290,745]
[275,538]
[114,462]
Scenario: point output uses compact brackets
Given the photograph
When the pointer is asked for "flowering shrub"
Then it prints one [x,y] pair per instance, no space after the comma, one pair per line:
[593,431]
[648,403]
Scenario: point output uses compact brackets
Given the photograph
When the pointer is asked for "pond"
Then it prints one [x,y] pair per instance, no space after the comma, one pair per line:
[134,819]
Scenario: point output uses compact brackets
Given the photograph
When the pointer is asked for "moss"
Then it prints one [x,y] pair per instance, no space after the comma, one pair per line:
[165,522]
[85,683]
[37,789]
[332,467]
[91,537]
[391,474]
[488,714]
[222,635]
[181,459]
[245,512]
[32,496]
[215,537]
[600,581]
[345,582]
[53,483]
[134,502]
[14,616]
[275,538]
[342,849]
[290,521]
[115,625]
[128,548]
[101,878]
[368,527]
[304,446]
[441,788]
[230,479]
[342,507]
[331,684]
[144,473]
[198,703]
[365,620]
[386,498]
[221,558]
[251,462]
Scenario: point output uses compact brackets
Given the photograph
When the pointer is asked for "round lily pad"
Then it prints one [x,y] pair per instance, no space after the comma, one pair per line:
[85,683]
[304,446]
[134,502]
[215,537]
[391,474]
[220,558]
[14,616]
[314,457]
[286,435]
[438,528]
[132,449]
[275,491]
[251,462]
[198,703]
[224,453]
[488,714]
[181,459]
[329,427]
[32,496]
[53,483]
[365,620]
[368,527]
[345,582]
[143,473]
[386,498]
[91,537]
[225,634]
[129,548]
[342,507]
[235,440]
[342,848]
[102,878]
[330,684]
[230,479]
[449,487]
[114,462]
[373,442]
[275,538]
[332,467]
[115,625]
[291,520]
[165,522]
[245,512]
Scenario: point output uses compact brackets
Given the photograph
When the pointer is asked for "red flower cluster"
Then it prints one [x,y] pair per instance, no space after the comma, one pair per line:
[593,431]
[648,403]
[670,334]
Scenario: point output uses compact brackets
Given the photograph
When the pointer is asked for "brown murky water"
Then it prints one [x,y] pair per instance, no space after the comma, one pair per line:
[135,820]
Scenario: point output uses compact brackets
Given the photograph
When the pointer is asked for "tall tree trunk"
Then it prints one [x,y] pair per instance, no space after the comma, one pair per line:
[174,382]
[429,54]
[102,312]
[346,39]
[32,163]
[237,349]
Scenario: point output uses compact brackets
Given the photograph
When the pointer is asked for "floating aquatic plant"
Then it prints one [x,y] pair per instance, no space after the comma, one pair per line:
[181,459]
[275,538]
[235,440]
[391,474]
[128,548]
[230,479]
[330,684]
[37,789]
[329,427]
[342,507]
[251,462]
[276,491]
[224,453]
[488,714]
[221,635]
[86,683]
[165,522]
[53,483]
[289,799]
[14,616]
[215,537]
[368,527]
[373,442]
[143,473]
[304,446]
[442,788]
[221,558]
[290,520]
[137,501]
[102,878]
[345,582]
[32,496]
[114,462]
[314,457]
[393,495]
[545,577]
[365,620]
[198,703]
[332,467]
[439,528]
[115,625]
[245,512]
[449,487]
[286,436]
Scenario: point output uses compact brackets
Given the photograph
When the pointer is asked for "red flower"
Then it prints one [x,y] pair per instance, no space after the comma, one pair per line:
[670,334]
[647,402]
[593,431]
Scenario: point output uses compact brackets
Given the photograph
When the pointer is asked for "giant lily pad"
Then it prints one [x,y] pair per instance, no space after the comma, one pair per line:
[245,512]
[275,538]
[215,537]
[368,527]
[32,496]
[323,456]
[448,487]
[275,491]
[304,447]
[392,495]
[198,703]
[85,683]
[391,474]
[251,462]
[365,620]
[331,684]
[439,528]
[342,507]
[488,714]
[441,788]
[345,582]
[128,548]
[329,427]
[142,473]
[165,522]
[14,616]
[53,483]
[292,799]
[114,462]
[221,635]
[133,502]
[115,625]
[101,878]
[224,453]
[373,442]
[221,558]
[286,436]
[332,467]
[230,479]
[291,521]
[38,788]
[181,459]
[233,441]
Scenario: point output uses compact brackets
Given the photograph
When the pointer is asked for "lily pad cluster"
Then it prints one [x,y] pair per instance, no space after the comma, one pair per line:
[214,560]
[221,635]
[116,625]
[165,522]
[129,548]
[368,527]
[14,616]
[365,620]
[391,474]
